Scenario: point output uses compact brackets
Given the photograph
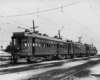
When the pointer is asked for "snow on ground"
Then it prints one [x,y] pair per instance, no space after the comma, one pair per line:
[4,62]
[94,74]
[12,67]
[2,53]
[94,59]
[98,53]
[25,65]
[95,70]
[85,78]
[67,65]
[56,61]
[27,74]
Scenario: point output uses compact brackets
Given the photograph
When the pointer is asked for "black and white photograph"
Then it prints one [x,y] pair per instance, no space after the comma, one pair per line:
[49,39]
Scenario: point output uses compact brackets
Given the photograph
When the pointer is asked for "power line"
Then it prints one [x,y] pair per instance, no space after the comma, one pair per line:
[38,16]
[73,19]
[58,24]
[77,22]
[95,13]
[65,14]
[49,21]
[60,11]
[28,12]
[40,11]
[42,17]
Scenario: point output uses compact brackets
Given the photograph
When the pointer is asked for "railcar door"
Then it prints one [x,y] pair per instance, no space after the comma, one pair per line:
[33,46]
[70,48]
[30,46]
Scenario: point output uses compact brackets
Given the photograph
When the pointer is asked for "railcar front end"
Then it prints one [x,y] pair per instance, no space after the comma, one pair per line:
[21,46]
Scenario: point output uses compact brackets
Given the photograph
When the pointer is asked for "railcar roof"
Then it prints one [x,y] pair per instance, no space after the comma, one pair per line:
[78,43]
[44,37]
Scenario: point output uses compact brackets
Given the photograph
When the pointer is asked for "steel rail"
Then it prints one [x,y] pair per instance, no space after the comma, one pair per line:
[65,78]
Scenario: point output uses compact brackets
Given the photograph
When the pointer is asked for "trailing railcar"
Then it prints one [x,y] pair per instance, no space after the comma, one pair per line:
[91,50]
[33,47]
[79,50]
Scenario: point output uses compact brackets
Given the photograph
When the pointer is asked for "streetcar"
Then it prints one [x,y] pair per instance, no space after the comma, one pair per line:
[34,46]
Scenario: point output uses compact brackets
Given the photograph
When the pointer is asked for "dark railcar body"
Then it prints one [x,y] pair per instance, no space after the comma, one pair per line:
[28,44]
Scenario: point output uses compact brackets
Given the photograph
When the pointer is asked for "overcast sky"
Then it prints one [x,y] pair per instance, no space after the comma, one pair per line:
[79,18]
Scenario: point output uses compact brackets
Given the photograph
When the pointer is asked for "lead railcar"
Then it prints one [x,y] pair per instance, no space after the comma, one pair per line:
[34,46]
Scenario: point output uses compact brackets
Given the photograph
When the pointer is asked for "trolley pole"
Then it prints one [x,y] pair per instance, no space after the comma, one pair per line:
[91,42]
[34,26]
[79,39]
[59,31]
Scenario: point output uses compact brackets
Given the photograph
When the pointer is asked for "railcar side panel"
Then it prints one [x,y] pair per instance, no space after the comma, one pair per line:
[76,49]
[63,48]
[45,47]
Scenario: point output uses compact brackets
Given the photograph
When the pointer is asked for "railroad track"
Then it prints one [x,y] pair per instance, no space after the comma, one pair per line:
[6,64]
[45,65]
[70,77]
[23,67]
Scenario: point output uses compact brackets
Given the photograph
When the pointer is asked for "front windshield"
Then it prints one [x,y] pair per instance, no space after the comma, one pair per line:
[20,42]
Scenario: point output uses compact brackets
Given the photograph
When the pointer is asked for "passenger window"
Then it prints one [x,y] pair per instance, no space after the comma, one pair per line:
[44,45]
[36,44]
[53,45]
[25,44]
[39,45]
[33,44]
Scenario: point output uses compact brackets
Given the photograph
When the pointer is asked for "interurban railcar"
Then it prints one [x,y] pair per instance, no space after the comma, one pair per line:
[34,46]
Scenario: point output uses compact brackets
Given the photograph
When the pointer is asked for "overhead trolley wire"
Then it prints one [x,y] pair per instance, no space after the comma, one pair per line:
[93,11]
[39,11]
[46,10]
[67,16]
[38,16]
[63,12]
[50,21]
